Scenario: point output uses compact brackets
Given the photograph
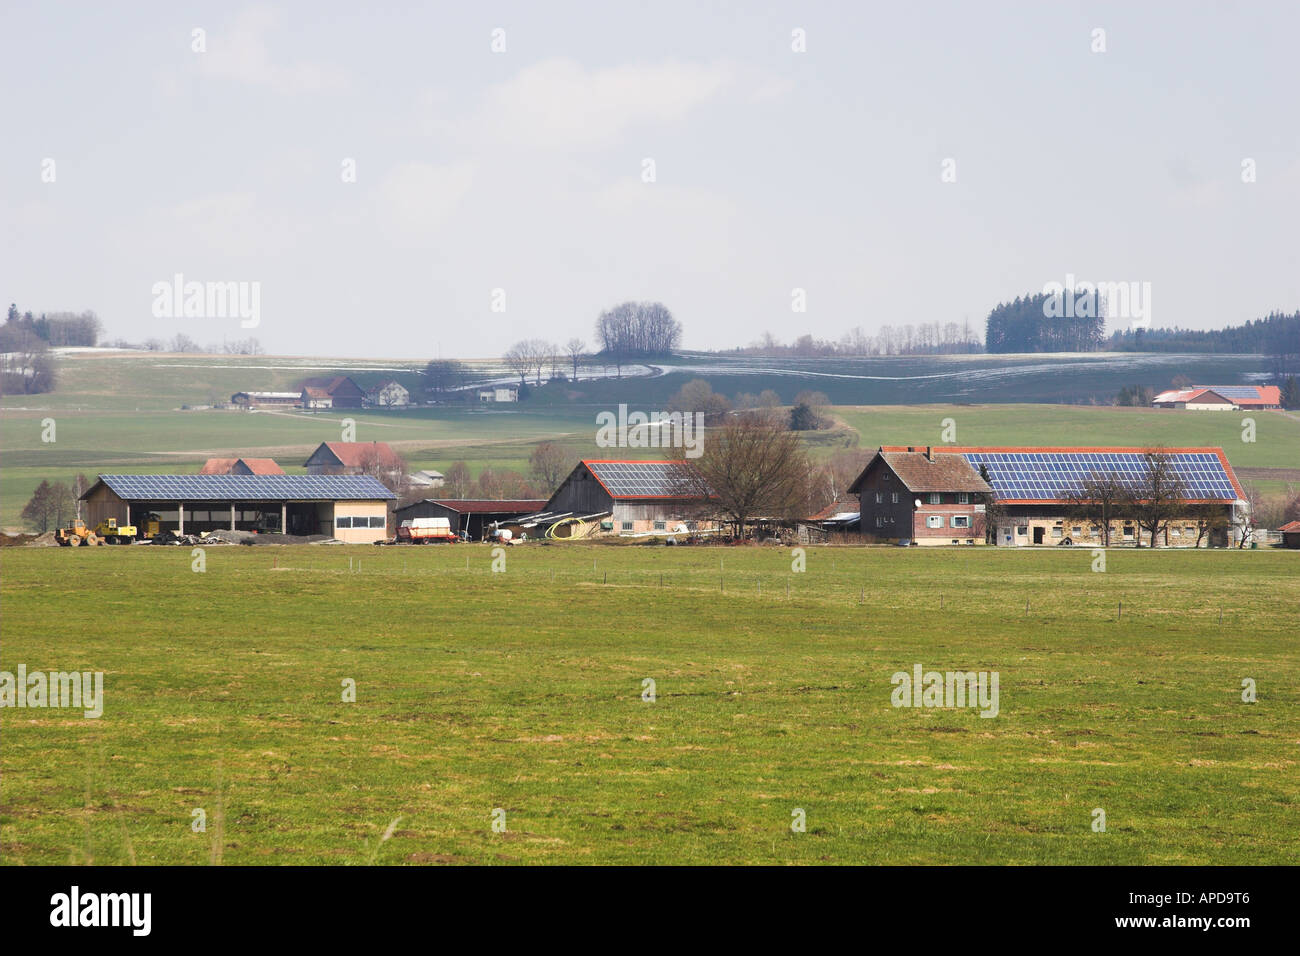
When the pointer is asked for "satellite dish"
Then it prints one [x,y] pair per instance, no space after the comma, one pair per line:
[918,502]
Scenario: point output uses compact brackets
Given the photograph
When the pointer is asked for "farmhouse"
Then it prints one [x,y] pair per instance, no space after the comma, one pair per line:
[1031,489]
[499,393]
[631,497]
[475,517]
[355,458]
[240,466]
[350,508]
[266,399]
[342,391]
[915,496]
[313,396]
[388,394]
[1220,397]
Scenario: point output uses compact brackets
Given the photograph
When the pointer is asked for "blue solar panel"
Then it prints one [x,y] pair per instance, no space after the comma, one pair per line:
[639,479]
[1233,391]
[247,487]
[1052,476]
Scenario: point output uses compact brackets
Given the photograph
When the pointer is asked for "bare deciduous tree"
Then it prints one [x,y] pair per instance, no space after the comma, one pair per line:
[1159,495]
[750,467]
[1100,499]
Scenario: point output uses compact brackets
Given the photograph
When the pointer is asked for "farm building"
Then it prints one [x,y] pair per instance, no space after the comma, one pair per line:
[240,466]
[842,516]
[1290,533]
[1031,488]
[313,396]
[388,394]
[1220,397]
[355,458]
[342,391]
[635,497]
[266,399]
[352,508]
[916,496]
[472,516]
[426,478]
[499,393]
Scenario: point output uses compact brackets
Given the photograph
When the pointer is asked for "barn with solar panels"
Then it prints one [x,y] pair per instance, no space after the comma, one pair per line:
[629,497]
[1033,487]
[351,508]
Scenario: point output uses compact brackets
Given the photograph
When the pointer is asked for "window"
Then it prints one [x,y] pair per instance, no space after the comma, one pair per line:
[934,498]
[893,498]
[344,522]
[961,521]
[378,521]
[1022,529]
[1058,532]
[627,526]
[659,526]
[880,497]
[963,497]
[1077,529]
[934,521]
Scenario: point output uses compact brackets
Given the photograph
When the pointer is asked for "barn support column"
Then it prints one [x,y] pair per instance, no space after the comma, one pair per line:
[232,516]
[284,518]
[180,511]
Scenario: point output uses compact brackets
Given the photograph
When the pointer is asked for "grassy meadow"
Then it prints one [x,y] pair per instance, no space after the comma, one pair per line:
[522,690]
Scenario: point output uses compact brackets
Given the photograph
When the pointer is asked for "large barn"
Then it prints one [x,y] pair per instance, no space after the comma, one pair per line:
[630,497]
[1032,488]
[352,508]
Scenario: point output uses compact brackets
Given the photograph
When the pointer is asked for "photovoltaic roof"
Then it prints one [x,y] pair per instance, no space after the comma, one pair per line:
[1039,475]
[1234,391]
[247,487]
[638,479]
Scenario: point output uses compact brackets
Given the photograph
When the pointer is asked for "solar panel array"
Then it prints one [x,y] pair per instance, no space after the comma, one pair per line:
[1234,391]
[1052,476]
[638,479]
[247,487]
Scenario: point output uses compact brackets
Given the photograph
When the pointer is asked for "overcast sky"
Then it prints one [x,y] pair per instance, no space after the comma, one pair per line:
[524,170]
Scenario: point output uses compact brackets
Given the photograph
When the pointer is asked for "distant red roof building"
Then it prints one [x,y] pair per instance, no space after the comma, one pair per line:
[343,392]
[240,466]
[1225,396]
[352,457]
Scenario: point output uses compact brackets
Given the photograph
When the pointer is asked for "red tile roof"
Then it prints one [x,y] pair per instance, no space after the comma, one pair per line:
[218,466]
[357,454]
[262,466]
[1291,527]
[229,466]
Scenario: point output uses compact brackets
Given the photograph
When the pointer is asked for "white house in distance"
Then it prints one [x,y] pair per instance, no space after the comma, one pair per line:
[499,393]
[1220,398]
[388,394]
[426,478]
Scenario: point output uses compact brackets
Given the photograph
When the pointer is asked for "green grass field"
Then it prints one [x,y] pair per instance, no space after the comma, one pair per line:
[522,691]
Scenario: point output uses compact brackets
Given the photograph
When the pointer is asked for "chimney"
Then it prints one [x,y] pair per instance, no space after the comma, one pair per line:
[929,453]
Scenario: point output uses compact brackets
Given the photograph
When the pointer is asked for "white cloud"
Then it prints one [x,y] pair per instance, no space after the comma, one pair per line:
[240,53]
[559,103]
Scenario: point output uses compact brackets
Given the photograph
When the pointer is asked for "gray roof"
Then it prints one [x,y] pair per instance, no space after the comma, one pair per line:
[245,488]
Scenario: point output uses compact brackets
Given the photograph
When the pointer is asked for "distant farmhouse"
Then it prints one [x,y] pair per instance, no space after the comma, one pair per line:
[355,458]
[342,391]
[240,466]
[1225,398]
[426,478]
[1290,534]
[499,393]
[313,396]
[938,495]
[387,394]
